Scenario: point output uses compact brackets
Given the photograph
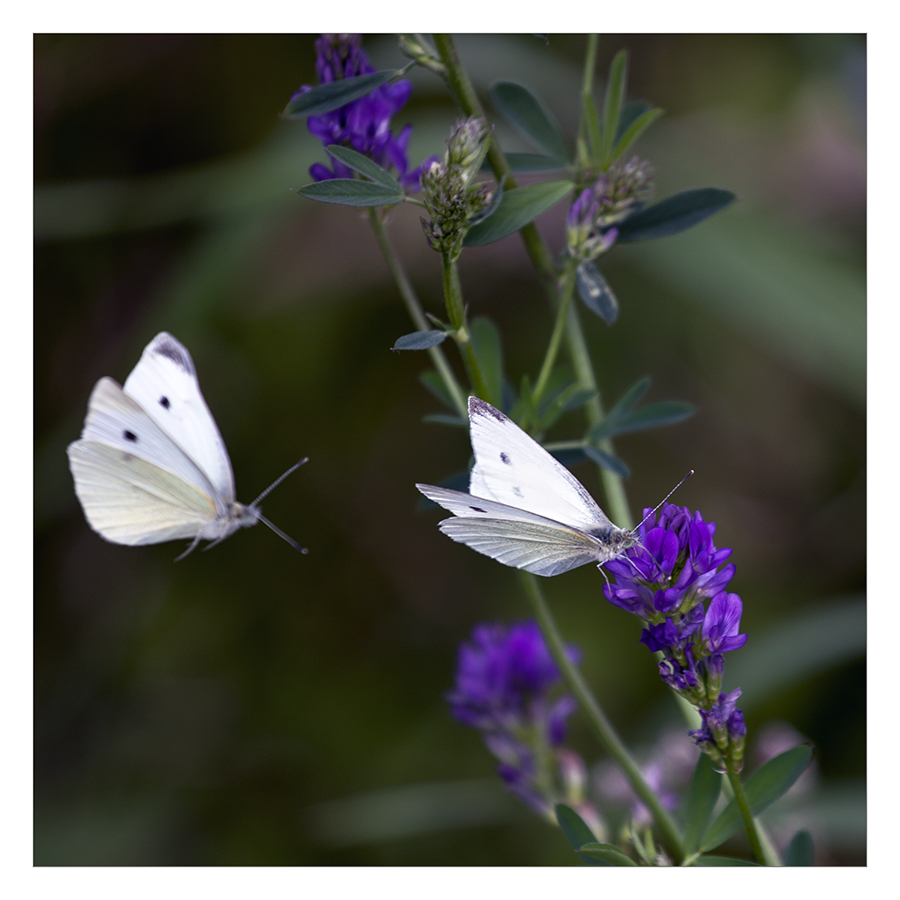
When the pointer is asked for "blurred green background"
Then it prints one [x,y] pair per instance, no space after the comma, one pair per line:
[252,706]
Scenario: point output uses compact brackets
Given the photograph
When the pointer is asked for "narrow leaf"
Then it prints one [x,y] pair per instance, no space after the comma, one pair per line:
[763,787]
[351,192]
[634,131]
[489,353]
[576,831]
[655,415]
[534,162]
[630,113]
[592,125]
[612,107]
[608,853]
[674,214]
[706,783]
[722,861]
[527,112]
[800,851]
[579,398]
[435,385]
[364,166]
[327,97]
[517,208]
[596,294]
[607,461]
[629,399]
[419,340]
[446,419]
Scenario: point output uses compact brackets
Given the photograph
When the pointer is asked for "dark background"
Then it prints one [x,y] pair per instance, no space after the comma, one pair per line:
[252,706]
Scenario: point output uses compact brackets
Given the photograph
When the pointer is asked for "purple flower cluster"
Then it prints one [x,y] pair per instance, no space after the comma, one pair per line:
[364,124]
[506,687]
[665,580]
[611,198]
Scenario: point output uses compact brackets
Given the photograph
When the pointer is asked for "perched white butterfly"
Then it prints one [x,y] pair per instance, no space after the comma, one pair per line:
[524,508]
[151,465]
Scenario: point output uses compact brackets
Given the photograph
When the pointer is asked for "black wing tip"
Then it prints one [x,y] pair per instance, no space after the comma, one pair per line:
[479,407]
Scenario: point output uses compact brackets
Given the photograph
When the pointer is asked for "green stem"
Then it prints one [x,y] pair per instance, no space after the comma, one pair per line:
[559,327]
[457,312]
[414,308]
[588,126]
[601,726]
[744,806]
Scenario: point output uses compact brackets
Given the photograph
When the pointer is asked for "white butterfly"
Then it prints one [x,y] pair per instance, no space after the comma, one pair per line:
[525,509]
[151,465]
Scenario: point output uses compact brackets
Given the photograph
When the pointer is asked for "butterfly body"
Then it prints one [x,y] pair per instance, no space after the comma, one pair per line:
[524,508]
[150,465]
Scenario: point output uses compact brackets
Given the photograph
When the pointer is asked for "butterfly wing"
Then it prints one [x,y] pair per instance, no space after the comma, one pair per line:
[164,383]
[512,536]
[512,468]
[135,484]
[539,549]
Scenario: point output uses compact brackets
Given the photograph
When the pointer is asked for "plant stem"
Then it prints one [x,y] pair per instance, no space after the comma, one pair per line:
[457,312]
[744,806]
[559,327]
[597,718]
[416,313]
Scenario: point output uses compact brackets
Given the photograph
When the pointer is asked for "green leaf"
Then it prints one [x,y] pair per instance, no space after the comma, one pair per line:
[629,399]
[612,106]
[517,208]
[419,340]
[608,853]
[579,398]
[763,787]
[488,348]
[655,415]
[351,192]
[576,831]
[634,131]
[674,214]
[706,783]
[327,97]
[722,861]
[527,112]
[364,166]
[435,385]
[630,113]
[596,294]
[445,419]
[534,162]
[800,851]
[591,121]
[607,461]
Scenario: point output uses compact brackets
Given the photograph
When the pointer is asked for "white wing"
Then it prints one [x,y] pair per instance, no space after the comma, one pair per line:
[164,383]
[129,500]
[471,506]
[539,549]
[512,468]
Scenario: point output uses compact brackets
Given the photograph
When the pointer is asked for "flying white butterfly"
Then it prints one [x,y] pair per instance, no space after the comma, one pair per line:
[151,465]
[524,508]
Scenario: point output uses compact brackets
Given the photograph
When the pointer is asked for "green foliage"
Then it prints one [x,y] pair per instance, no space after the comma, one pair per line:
[624,418]
[607,461]
[489,353]
[528,113]
[517,208]
[595,292]
[800,851]
[706,784]
[533,162]
[763,787]
[674,214]
[608,853]
[420,340]
[329,97]
[364,166]
[577,833]
[704,861]
[351,192]
[612,107]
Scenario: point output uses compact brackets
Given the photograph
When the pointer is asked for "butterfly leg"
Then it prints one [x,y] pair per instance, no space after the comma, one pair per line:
[189,549]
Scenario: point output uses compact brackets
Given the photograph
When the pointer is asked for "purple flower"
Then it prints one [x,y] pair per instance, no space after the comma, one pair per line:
[720,627]
[364,124]
[722,723]
[507,687]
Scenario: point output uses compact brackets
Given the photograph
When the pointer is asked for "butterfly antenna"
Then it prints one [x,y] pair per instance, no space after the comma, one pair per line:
[275,484]
[655,508]
[275,528]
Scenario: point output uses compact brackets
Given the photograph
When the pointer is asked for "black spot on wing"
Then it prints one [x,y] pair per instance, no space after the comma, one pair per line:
[480,408]
[164,402]
[478,509]
[129,435]
[518,492]
[171,349]
[504,458]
